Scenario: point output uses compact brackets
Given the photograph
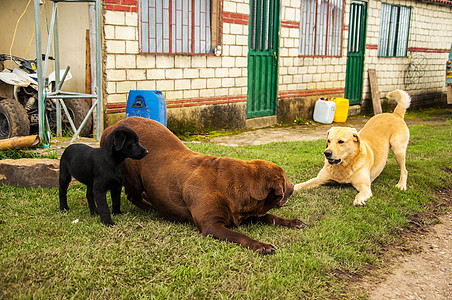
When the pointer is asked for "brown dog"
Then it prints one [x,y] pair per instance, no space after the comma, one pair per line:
[211,192]
[358,158]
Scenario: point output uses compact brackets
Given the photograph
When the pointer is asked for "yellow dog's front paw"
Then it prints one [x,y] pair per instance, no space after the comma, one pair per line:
[360,202]
[401,185]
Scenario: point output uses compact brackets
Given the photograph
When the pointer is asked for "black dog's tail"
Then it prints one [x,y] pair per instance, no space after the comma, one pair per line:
[403,102]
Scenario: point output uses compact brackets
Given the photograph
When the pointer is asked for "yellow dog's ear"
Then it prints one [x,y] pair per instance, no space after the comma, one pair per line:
[356,137]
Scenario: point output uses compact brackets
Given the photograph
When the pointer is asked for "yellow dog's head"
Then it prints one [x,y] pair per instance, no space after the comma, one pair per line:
[341,144]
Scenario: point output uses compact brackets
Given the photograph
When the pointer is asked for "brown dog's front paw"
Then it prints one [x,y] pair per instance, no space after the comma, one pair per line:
[296,224]
[262,248]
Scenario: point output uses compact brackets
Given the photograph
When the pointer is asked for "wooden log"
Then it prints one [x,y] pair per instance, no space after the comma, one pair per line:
[449,94]
[376,103]
[19,142]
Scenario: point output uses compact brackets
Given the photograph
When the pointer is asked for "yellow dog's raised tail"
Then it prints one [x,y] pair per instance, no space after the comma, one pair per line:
[403,102]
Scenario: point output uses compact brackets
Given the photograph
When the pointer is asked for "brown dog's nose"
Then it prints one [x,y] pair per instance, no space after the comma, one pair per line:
[328,153]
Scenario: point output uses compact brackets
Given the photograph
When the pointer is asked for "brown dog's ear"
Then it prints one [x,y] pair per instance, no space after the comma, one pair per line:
[278,187]
[356,138]
[259,191]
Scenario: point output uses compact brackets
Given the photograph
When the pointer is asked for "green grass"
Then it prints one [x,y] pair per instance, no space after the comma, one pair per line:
[46,254]
[26,153]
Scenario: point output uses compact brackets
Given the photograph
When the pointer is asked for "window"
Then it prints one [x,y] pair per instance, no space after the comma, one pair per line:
[394,29]
[321,27]
[179,26]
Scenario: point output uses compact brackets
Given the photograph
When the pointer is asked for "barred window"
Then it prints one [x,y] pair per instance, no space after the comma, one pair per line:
[321,27]
[394,30]
[179,26]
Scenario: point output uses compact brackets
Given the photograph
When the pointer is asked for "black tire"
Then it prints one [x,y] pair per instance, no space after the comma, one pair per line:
[13,119]
[78,109]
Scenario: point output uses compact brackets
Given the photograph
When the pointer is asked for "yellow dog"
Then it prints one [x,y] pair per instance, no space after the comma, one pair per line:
[358,158]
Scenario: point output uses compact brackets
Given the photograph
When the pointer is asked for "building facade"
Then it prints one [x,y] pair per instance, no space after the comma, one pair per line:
[238,63]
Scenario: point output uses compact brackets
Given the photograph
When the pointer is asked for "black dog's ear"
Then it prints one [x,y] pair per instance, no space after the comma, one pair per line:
[119,140]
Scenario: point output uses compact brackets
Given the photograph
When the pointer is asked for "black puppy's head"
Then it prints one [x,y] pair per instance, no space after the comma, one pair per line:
[125,142]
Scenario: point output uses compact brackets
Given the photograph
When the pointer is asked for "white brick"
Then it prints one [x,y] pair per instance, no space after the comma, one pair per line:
[207,93]
[236,29]
[229,39]
[173,95]
[126,61]
[136,74]
[226,28]
[165,85]
[165,62]
[146,85]
[213,61]
[111,87]
[131,47]
[241,62]
[125,33]
[109,31]
[146,61]
[117,98]
[198,84]
[116,75]
[290,14]
[229,6]
[110,64]
[243,8]
[155,74]
[198,62]
[235,72]
[242,40]
[131,19]
[222,72]
[183,84]
[114,18]
[191,73]
[191,94]
[221,92]
[235,51]
[115,46]
[234,91]
[206,73]
[227,82]
[125,86]
[182,61]
[213,83]
[174,73]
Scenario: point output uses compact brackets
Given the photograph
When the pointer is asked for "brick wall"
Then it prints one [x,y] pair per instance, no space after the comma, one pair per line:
[190,81]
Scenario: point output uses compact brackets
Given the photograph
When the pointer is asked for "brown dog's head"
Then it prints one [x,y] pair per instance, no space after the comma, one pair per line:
[270,188]
[341,143]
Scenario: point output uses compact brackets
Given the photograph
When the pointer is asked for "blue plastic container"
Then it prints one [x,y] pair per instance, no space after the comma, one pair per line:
[147,104]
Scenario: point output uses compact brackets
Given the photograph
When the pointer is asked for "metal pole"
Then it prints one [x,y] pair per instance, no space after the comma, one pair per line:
[98,70]
[39,69]
[56,53]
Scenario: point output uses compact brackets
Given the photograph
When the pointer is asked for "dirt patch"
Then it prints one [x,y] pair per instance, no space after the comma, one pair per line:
[420,266]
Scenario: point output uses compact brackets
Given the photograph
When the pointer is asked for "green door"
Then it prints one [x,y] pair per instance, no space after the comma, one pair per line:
[263,58]
[355,52]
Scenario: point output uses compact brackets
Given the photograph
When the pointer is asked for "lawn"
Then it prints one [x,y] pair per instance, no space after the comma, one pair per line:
[45,253]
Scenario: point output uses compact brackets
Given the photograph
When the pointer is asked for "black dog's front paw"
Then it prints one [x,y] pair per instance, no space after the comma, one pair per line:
[108,223]
[64,208]
[117,212]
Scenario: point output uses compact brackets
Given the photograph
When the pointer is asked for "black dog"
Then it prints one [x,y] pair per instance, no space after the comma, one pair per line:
[101,169]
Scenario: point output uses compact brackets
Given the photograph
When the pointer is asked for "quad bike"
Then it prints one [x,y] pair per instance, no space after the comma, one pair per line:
[19,114]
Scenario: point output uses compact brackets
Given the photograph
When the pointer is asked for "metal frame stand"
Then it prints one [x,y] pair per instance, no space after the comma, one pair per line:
[59,95]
